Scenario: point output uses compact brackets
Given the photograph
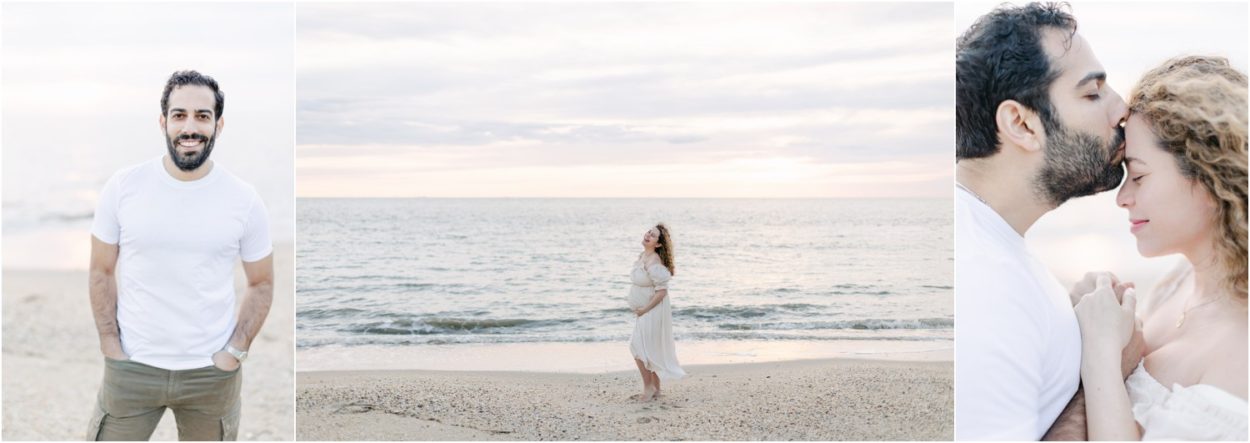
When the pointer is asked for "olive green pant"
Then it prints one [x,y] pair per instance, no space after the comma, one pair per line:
[133,397]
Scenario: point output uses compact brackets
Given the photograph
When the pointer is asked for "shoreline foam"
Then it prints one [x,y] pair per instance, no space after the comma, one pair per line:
[602,357]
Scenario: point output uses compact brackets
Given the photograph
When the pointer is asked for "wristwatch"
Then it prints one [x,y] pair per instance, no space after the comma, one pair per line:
[238,354]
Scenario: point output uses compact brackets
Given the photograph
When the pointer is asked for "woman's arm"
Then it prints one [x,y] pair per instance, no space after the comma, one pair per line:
[1106,327]
[655,300]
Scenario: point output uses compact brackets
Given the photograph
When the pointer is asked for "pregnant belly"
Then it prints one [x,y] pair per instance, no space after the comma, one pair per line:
[639,296]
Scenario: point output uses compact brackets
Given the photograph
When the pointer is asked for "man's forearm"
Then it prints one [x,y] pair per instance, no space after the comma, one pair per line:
[252,313]
[103,291]
[1070,426]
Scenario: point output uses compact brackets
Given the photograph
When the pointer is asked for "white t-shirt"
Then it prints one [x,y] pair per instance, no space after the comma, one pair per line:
[1017,342]
[177,246]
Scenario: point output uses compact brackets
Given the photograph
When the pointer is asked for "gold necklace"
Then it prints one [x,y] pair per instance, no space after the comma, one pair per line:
[1185,310]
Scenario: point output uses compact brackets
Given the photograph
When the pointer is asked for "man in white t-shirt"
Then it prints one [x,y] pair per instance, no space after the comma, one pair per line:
[166,236]
[1036,125]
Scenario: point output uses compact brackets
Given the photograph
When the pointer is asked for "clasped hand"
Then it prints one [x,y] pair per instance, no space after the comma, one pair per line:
[1109,325]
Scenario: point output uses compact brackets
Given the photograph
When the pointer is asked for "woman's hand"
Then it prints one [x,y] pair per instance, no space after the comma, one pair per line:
[1106,328]
[640,312]
[1089,283]
[1106,324]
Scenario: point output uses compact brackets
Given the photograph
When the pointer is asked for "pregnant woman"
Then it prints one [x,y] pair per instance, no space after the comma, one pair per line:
[1185,194]
[652,342]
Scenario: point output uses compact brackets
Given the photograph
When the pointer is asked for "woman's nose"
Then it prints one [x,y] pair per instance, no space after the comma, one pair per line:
[1124,198]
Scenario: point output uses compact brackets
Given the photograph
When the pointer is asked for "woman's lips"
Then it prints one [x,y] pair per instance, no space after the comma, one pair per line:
[1137,225]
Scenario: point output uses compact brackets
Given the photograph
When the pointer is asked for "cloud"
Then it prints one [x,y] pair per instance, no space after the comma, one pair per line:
[573,85]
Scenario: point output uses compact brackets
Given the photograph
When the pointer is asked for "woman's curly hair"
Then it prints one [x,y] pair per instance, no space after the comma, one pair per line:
[1196,107]
[665,248]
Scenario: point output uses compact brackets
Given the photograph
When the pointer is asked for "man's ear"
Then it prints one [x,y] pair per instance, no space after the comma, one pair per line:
[221,123]
[1020,125]
[161,122]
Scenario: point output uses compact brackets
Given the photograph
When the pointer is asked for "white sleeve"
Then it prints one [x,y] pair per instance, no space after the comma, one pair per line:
[659,275]
[256,243]
[104,224]
[999,346]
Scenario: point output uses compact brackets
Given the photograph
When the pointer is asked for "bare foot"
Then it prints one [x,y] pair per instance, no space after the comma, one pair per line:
[647,395]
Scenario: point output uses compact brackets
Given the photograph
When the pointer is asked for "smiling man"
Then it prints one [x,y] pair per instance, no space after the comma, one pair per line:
[165,239]
[1036,125]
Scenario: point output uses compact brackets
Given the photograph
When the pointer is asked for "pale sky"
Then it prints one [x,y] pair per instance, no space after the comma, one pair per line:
[82,88]
[1092,233]
[625,100]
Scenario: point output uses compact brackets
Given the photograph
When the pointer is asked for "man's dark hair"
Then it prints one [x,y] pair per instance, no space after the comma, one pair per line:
[1001,58]
[189,77]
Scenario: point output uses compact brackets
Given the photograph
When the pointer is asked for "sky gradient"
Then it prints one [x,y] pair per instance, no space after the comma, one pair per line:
[624,100]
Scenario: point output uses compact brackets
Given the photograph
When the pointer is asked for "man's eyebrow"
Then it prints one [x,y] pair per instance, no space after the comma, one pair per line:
[197,111]
[1097,75]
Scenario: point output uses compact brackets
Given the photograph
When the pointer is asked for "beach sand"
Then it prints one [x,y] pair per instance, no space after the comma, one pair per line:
[823,399]
[53,366]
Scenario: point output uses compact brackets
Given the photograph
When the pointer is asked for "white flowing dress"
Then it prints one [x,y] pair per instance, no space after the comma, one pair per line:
[652,341]
[1195,412]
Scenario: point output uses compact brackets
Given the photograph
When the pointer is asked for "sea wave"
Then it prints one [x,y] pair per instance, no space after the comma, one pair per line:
[868,324]
[746,311]
[441,325]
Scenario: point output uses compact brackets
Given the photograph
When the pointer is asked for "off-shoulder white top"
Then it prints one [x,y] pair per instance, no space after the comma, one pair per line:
[1195,412]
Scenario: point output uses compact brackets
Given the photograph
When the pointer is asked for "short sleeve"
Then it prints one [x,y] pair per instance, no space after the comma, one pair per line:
[256,243]
[104,224]
[659,275]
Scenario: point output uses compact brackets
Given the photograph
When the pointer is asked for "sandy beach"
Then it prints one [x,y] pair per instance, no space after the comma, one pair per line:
[52,363]
[822,399]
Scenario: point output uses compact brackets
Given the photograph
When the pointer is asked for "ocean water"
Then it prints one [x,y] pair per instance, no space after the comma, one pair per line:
[393,272]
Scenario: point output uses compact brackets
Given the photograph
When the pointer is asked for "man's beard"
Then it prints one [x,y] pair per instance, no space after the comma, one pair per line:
[1078,164]
[192,161]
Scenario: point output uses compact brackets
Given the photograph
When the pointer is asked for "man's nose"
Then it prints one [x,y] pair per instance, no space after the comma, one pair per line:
[187,126]
[1119,109]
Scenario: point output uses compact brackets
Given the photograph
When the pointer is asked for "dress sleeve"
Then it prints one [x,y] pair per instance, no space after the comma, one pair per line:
[659,275]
